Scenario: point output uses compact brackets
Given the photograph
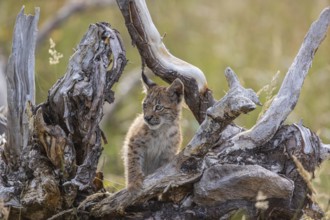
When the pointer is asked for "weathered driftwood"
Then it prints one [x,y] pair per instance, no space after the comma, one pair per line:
[57,163]
[238,100]
[20,90]
[287,97]
[213,186]
[20,85]
[184,168]
[75,102]
[154,54]
[223,169]
[260,170]
[263,183]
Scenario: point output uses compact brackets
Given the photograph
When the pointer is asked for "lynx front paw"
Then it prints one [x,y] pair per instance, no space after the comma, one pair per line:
[135,185]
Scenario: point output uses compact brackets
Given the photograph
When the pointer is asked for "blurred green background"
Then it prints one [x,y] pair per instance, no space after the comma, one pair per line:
[257,38]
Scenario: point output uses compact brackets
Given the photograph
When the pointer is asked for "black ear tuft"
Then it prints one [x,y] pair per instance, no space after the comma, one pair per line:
[148,83]
[176,89]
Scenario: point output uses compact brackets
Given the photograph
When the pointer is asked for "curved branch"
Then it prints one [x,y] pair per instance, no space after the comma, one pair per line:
[155,55]
[288,95]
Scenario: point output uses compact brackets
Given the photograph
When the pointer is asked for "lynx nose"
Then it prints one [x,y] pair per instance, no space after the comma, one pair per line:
[148,117]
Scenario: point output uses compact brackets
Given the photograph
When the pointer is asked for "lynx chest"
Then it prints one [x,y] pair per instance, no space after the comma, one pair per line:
[160,148]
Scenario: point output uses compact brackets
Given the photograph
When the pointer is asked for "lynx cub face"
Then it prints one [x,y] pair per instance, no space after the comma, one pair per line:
[161,105]
[155,136]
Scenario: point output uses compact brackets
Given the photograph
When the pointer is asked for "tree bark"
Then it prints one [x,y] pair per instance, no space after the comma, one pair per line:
[49,155]
[20,86]
[154,54]
[49,161]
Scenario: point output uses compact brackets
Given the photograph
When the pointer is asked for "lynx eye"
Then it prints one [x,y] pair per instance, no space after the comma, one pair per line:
[158,107]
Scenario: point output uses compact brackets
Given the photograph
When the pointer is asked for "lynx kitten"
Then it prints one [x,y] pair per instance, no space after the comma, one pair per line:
[155,136]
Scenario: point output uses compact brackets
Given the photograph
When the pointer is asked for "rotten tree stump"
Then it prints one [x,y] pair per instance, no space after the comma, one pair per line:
[51,165]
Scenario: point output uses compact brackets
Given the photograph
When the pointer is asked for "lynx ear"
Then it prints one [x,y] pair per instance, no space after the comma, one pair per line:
[175,90]
[147,83]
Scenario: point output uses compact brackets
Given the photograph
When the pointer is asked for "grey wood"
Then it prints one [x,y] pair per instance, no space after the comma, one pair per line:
[20,84]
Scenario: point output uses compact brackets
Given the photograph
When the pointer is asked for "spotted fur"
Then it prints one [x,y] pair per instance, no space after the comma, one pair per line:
[155,136]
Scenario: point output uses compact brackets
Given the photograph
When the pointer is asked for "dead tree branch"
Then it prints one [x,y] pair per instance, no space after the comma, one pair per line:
[20,86]
[238,100]
[194,187]
[56,156]
[221,170]
[87,84]
[288,95]
[155,55]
